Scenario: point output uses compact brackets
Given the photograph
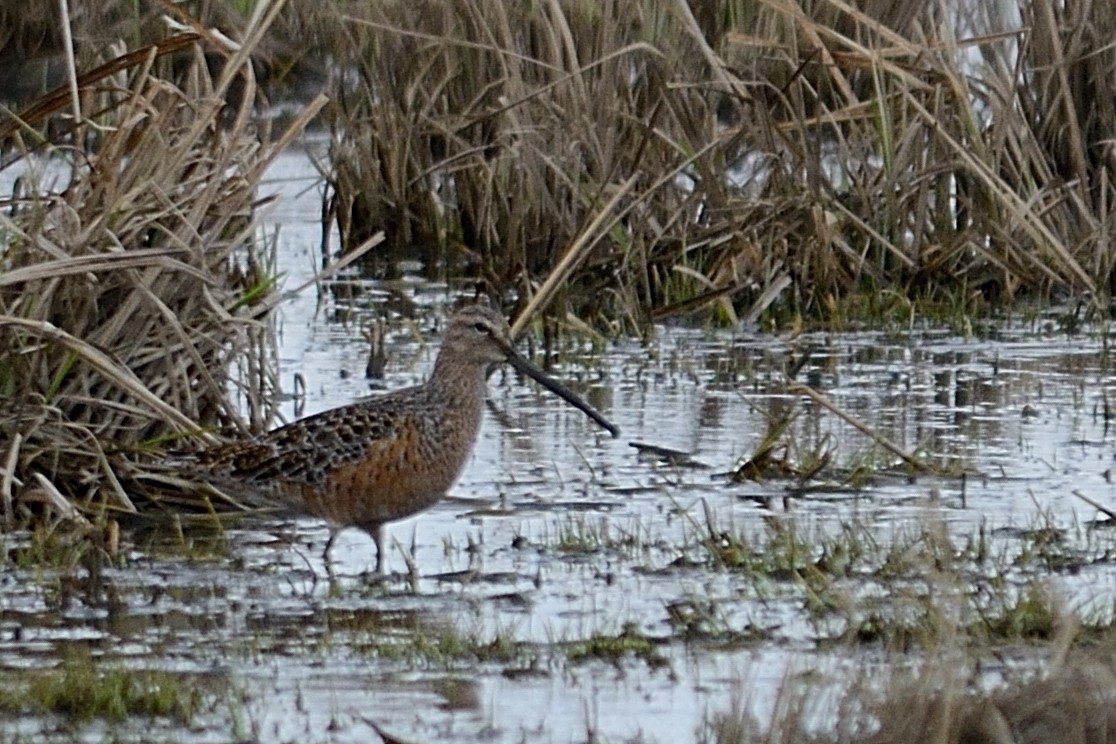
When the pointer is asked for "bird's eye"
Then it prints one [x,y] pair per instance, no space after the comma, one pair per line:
[480,327]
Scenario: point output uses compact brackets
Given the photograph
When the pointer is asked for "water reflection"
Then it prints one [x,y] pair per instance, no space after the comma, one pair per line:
[559,540]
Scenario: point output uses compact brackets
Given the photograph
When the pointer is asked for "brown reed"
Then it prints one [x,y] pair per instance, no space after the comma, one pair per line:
[789,158]
[134,279]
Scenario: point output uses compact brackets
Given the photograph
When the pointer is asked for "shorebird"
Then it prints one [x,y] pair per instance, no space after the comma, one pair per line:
[382,459]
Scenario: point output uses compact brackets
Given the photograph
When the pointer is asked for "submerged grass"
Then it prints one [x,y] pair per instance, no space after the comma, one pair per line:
[80,690]
[941,700]
[629,643]
[914,587]
[636,161]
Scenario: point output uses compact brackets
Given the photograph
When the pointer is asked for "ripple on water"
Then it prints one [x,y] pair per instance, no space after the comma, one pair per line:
[573,587]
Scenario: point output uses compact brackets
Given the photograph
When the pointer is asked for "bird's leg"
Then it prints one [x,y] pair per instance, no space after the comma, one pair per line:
[325,555]
[377,533]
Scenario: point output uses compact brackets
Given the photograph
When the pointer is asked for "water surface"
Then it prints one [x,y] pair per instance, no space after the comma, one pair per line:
[558,538]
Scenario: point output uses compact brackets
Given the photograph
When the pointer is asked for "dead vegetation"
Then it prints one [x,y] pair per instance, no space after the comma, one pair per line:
[811,157]
[33,38]
[636,160]
[135,283]
[939,703]
[660,158]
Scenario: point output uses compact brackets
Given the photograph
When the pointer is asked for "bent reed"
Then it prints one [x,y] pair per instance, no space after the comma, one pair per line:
[665,157]
[635,160]
[135,280]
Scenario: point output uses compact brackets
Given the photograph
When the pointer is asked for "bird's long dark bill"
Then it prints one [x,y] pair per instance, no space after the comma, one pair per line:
[536,374]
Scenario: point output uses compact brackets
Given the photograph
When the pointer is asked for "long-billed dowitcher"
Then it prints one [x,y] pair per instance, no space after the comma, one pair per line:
[386,458]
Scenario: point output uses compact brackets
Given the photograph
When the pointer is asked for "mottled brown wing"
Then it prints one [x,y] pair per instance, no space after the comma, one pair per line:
[304,451]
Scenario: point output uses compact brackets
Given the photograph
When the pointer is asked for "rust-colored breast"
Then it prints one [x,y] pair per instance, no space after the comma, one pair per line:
[362,465]
[396,477]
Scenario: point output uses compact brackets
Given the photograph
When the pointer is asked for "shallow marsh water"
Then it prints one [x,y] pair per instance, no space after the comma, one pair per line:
[570,589]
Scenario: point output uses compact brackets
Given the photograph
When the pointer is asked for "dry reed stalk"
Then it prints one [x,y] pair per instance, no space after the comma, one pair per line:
[939,701]
[501,131]
[131,302]
[919,188]
[846,148]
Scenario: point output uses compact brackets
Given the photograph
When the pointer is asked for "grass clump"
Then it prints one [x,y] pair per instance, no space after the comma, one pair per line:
[804,160]
[133,284]
[945,697]
[80,691]
[915,588]
[628,643]
[422,641]
[1031,614]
